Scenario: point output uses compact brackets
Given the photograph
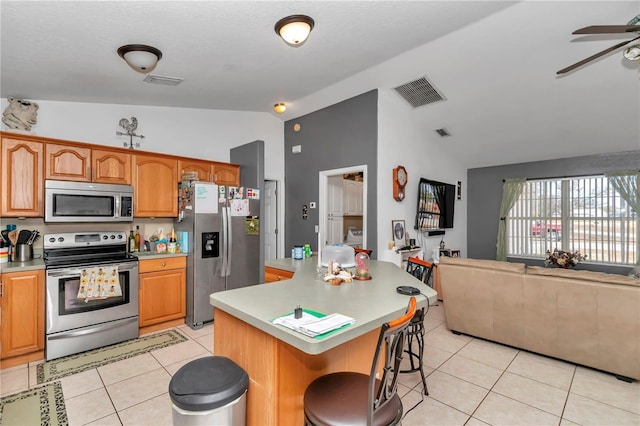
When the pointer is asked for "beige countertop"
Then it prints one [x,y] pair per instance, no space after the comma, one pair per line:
[370,303]
[38,263]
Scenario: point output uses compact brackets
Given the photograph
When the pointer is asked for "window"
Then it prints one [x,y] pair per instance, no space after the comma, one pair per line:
[585,214]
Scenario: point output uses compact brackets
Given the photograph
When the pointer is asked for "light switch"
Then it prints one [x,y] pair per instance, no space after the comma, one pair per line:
[312,204]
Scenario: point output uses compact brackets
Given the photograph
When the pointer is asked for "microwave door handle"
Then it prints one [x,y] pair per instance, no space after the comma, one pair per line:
[117,207]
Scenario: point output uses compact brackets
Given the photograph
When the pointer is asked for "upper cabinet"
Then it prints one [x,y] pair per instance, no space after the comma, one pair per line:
[22,180]
[67,163]
[352,197]
[219,173]
[226,174]
[203,168]
[28,160]
[154,186]
[111,167]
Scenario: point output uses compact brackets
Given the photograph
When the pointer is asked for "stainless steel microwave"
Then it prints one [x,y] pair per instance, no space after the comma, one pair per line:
[87,202]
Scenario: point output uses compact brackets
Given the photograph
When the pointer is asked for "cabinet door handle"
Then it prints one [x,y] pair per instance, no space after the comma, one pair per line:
[1,288]
[164,264]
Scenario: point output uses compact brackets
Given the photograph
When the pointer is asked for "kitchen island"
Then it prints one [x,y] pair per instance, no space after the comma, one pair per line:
[280,362]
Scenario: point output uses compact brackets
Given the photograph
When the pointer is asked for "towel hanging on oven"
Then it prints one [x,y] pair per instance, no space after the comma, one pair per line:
[99,282]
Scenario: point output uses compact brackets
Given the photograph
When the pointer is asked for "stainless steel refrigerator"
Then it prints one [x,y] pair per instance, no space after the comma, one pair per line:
[223,247]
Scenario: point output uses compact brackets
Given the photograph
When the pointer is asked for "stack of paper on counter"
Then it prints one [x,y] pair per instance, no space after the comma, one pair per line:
[311,325]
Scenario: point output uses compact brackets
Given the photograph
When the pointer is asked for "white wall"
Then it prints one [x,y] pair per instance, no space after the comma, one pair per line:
[402,141]
[197,133]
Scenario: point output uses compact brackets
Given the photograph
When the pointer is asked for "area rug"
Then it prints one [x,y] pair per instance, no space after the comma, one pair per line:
[62,367]
[43,405]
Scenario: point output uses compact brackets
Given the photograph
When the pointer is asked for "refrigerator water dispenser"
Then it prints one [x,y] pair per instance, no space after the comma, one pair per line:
[210,244]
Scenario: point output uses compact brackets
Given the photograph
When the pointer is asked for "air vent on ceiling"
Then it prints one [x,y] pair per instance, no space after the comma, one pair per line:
[164,80]
[419,92]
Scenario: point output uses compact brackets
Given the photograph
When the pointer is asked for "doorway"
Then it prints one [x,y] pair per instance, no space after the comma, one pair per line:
[343,210]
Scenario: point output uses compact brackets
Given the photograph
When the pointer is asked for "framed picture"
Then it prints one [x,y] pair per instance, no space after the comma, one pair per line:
[397,227]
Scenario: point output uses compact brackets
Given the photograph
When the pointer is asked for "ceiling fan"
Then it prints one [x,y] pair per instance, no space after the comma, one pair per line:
[631,53]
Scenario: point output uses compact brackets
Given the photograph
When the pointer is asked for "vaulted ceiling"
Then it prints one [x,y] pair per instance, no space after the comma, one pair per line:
[495,63]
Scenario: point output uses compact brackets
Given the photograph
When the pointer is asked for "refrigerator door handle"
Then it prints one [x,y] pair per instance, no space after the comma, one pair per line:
[229,241]
[225,238]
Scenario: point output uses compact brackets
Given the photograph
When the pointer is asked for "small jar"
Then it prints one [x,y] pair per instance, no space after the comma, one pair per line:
[171,247]
[298,252]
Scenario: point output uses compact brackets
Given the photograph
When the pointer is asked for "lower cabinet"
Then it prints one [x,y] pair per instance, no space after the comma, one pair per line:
[273,274]
[162,287]
[22,317]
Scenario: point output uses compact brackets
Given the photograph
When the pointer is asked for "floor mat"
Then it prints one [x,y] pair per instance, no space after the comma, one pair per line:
[62,367]
[43,405]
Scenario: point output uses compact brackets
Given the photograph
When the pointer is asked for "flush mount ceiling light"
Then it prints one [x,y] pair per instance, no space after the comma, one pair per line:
[294,29]
[280,107]
[140,57]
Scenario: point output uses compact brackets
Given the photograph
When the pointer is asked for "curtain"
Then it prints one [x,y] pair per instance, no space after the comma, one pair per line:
[625,182]
[511,190]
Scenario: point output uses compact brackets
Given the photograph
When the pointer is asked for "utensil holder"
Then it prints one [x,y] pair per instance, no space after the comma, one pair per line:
[22,253]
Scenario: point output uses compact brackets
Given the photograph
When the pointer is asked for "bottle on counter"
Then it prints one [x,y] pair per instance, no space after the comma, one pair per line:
[137,238]
[132,242]
[172,246]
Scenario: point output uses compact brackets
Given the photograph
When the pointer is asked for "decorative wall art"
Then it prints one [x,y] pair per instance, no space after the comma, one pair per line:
[397,227]
[20,114]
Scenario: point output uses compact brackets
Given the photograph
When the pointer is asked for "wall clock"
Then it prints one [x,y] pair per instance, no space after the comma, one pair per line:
[399,182]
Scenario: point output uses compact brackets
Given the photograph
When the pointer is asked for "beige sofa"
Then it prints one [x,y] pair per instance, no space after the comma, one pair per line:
[587,318]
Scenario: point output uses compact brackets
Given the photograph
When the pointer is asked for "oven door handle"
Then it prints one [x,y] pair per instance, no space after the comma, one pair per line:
[128,266]
[92,330]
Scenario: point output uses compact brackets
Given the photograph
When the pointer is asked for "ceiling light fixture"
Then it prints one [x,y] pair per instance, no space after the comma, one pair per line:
[632,53]
[140,57]
[280,107]
[294,29]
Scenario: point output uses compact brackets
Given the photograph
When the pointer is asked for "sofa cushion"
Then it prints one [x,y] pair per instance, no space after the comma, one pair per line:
[599,277]
[484,264]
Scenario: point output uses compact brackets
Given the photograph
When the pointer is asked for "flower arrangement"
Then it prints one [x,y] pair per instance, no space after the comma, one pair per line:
[564,259]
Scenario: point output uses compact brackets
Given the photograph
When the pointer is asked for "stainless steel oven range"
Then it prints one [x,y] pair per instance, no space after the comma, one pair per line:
[92,291]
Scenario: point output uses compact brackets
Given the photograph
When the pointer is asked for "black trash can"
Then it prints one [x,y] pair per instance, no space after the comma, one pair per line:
[209,391]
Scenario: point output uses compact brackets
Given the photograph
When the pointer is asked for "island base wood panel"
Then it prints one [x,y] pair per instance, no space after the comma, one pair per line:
[280,373]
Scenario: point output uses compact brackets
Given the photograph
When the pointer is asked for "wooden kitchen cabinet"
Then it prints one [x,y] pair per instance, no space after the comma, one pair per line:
[23,316]
[226,174]
[274,274]
[110,167]
[163,293]
[22,178]
[203,168]
[65,162]
[154,186]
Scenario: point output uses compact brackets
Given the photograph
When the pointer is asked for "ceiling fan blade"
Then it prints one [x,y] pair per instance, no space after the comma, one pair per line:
[597,55]
[607,29]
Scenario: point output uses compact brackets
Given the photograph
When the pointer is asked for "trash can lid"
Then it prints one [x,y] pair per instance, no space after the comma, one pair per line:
[207,383]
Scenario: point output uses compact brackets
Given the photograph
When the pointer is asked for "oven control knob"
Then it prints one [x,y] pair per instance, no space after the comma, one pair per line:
[113,237]
[60,239]
[52,240]
[104,237]
[119,236]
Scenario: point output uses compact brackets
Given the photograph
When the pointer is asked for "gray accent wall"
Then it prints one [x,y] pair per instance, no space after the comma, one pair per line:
[484,192]
[338,136]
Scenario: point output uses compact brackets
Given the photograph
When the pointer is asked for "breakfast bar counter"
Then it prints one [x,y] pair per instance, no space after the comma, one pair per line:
[281,362]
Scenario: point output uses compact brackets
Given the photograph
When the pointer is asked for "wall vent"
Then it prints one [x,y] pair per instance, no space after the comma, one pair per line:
[419,92]
[164,80]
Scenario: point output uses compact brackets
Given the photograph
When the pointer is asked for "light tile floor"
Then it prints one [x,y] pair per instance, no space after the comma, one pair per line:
[471,382]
